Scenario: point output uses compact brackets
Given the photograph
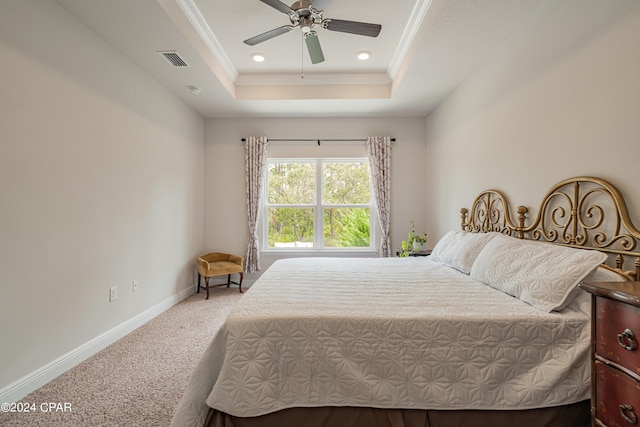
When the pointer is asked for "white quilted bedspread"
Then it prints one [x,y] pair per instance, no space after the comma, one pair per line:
[387,333]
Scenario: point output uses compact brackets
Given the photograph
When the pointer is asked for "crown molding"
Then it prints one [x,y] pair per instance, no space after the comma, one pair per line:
[409,34]
[192,13]
[315,79]
[311,91]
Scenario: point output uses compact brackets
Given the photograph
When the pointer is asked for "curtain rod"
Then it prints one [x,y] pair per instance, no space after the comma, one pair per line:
[316,140]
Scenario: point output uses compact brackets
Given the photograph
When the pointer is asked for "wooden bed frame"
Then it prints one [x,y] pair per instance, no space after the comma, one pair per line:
[572,213]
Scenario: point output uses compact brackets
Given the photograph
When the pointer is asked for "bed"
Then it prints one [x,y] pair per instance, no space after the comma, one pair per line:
[485,331]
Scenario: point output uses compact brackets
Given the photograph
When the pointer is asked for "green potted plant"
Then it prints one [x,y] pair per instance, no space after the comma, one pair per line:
[415,243]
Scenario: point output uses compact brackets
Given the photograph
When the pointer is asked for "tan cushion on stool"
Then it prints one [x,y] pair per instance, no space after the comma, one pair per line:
[217,268]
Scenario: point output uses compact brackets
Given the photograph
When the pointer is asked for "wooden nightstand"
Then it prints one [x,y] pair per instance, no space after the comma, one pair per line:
[421,253]
[615,369]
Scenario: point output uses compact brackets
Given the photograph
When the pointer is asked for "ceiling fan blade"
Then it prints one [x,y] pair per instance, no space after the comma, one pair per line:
[313,44]
[268,35]
[277,4]
[320,5]
[353,27]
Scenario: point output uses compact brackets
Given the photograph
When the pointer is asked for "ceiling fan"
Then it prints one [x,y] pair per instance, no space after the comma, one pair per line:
[307,14]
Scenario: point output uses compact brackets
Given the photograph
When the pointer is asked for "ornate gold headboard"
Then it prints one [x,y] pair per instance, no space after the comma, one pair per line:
[582,212]
[490,212]
[587,212]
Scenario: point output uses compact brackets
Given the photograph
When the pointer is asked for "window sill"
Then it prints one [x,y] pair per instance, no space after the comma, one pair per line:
[340,253]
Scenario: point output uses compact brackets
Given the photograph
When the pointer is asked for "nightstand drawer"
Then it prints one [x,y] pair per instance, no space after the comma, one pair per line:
[617,397]
[617,332]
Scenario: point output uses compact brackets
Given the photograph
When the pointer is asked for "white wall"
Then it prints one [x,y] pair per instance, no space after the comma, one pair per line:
[225,208]
[101,183]
[562,100]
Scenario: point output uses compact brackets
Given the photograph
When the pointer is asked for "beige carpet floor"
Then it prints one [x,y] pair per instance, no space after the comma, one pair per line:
[138,380]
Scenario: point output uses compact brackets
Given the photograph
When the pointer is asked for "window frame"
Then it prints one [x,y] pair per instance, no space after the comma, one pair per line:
[318,209]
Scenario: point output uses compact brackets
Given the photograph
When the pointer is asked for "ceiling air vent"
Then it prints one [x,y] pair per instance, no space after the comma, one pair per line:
[173,58]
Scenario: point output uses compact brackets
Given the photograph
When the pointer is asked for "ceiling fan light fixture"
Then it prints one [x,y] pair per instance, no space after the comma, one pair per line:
[258,57]
[364,55]
[305,24]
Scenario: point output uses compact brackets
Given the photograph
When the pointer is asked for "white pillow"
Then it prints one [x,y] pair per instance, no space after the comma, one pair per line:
[540,274]
[604,273]
[459,249]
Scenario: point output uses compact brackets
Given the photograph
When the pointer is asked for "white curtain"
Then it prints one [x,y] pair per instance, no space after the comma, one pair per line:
[379,151]
[255,160]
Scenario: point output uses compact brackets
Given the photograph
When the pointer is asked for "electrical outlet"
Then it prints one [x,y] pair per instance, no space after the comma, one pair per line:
[113,294]
[134,285]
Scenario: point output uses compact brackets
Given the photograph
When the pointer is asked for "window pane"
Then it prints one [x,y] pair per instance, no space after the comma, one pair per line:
[290,227]
[346,183]
[292,183]
[347,227]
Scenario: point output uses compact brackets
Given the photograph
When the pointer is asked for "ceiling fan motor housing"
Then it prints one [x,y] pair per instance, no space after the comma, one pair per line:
[304,15]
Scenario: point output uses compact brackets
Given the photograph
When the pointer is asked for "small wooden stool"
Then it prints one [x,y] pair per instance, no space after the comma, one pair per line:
[219,264]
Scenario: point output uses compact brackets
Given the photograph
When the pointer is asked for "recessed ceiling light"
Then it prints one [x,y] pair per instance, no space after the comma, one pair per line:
[364,55]
[258,57]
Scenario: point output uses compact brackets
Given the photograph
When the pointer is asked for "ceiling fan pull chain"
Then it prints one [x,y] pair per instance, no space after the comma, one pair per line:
[302,56]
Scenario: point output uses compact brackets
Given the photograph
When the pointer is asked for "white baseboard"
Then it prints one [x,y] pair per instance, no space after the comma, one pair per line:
[25,385]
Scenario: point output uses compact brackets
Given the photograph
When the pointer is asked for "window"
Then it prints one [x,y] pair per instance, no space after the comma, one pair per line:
[318,204]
